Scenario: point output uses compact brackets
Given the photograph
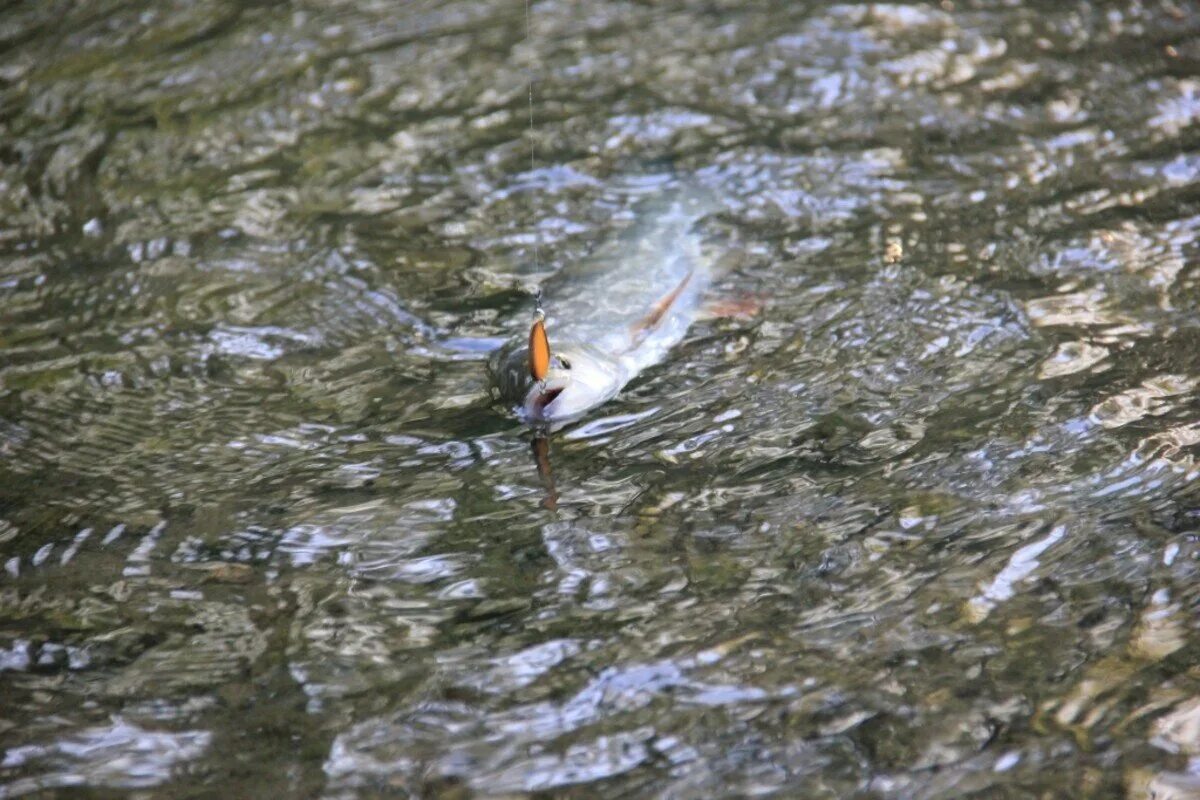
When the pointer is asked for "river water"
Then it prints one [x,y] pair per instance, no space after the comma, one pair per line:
[919,521]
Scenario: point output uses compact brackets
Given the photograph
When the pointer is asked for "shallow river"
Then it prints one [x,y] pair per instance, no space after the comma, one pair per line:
[920,521]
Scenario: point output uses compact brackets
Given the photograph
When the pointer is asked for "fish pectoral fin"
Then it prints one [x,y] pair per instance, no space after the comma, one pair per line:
[653,319]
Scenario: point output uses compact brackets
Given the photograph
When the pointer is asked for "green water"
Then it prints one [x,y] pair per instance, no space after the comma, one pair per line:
[923,525]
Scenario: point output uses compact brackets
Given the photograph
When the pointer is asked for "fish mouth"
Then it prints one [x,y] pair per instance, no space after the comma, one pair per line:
[542,394]
[545,398]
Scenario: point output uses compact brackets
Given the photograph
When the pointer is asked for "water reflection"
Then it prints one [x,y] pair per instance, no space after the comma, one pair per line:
[541,456]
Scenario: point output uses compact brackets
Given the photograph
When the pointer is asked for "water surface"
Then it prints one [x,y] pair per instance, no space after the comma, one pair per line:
[924,526]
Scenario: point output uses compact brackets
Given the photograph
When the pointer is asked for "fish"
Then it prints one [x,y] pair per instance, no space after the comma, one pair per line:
[610,316]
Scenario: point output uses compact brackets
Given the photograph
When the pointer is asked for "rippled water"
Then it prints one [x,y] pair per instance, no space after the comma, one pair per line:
[919,521]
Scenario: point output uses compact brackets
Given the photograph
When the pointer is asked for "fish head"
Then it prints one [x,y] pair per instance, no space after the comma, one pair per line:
[579,379]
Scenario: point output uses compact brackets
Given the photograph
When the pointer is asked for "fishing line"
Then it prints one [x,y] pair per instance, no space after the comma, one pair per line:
[532,157]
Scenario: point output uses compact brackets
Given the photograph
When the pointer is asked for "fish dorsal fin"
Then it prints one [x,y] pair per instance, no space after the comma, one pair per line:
[654,318]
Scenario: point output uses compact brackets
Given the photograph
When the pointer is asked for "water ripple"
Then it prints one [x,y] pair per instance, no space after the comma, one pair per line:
[909,512]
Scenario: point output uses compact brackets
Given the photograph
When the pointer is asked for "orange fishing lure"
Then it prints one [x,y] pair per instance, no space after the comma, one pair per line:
[539,351]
